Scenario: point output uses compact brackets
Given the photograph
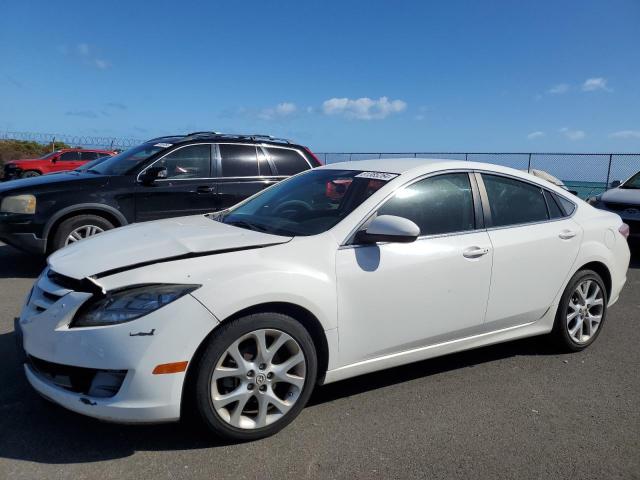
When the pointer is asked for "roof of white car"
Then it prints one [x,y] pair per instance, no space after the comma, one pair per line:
[402,165]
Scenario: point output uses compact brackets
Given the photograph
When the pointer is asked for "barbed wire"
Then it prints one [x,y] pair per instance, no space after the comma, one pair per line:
[74,140]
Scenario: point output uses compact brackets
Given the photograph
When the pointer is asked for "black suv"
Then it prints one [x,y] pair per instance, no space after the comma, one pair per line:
[164,177]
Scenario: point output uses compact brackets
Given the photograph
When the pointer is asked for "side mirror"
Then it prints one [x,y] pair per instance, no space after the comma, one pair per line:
[54,159]
[152,174]
[615,183]
[388,228]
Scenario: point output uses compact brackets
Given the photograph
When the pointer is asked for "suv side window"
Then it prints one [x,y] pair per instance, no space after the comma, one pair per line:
[239,160]
[86,156]
[438,205]
[513,202]
[193,161]
[287,161]
[68,157]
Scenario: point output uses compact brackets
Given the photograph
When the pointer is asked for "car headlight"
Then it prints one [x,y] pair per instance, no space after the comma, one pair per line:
[128,304]
[19,204]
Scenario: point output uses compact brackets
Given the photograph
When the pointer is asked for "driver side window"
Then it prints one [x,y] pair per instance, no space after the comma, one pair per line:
[438,205]
[193,161]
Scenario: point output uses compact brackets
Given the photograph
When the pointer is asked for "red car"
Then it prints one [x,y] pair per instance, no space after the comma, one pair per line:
[58,161]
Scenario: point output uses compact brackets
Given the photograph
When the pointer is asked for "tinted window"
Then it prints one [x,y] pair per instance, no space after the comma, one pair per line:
[68,157]
[554,209]
[239,161]
[193,161]
[442,204]
[513,201]
[567,206]
[288,162]
[88,155]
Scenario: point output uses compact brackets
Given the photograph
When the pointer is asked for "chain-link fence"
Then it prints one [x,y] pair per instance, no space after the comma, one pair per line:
[586,173]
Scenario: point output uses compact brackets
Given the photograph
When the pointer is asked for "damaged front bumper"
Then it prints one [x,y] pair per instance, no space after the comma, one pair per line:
[106,372]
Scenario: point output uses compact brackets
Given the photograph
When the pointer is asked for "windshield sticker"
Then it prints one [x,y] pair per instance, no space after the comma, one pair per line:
[377,175]
[163,145]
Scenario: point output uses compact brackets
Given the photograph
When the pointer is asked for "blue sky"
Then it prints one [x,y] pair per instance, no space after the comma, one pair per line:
[338,76]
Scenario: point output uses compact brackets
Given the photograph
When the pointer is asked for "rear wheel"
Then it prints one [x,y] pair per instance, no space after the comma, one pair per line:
[255,376]
[78,228]
[30,173]
[581,312]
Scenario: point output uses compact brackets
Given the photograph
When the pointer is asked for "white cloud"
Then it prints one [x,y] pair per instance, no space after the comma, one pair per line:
[559,89]
[536,134]
[363,108]
[626,134]
[83,49]
[102,64]
[593,84]
[573,134]
[283,109]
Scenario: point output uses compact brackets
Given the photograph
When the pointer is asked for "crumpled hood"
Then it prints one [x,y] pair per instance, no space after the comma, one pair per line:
[622,195]
[145,243]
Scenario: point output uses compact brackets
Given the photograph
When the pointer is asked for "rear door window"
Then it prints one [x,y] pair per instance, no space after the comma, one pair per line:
[552,204]
[287,161]
[239,160]
[86,156]
[514,202]
[69,157]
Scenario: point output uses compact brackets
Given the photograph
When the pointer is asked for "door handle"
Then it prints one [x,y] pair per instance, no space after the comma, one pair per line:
[567,234]
[474,252]
[204,189]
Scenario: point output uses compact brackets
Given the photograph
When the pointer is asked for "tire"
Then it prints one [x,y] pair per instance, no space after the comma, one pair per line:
[79,223]
[257,374]
[563,327]
[30,174]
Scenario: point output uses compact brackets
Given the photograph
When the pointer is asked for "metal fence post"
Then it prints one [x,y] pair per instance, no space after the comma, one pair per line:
[606,187]
[466,157]
[529,165]
[53,144]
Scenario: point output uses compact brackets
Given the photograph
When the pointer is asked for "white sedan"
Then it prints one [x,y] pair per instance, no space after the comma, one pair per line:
[336,272]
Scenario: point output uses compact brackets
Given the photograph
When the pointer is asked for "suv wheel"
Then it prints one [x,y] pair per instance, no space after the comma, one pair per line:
[78,228]
[30,173]
[255,376]
[581,312]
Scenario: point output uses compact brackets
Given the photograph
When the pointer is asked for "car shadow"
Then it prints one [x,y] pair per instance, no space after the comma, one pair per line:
[35,430]
[17,264]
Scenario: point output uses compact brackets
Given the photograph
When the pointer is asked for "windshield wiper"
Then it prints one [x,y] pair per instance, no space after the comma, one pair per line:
[247,225]
[91,170]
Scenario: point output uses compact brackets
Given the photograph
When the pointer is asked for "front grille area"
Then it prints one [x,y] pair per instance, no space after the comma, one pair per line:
[69,283]
[85,381]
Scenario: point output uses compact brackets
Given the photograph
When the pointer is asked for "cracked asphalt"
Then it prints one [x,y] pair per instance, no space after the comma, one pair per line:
[517,410]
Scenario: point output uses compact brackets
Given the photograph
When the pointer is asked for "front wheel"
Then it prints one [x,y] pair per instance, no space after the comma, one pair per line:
[78,228]
[30,174]
[581,312]
[255,376]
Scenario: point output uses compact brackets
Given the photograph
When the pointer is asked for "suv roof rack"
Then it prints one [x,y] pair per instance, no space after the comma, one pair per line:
[256,137]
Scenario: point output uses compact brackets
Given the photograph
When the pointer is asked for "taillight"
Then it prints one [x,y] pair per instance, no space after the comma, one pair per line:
[624,230]
[314,156]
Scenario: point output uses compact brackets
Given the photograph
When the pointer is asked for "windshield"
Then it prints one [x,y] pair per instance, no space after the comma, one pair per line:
[91,164]
[633,182]
[307,204]
[128,160]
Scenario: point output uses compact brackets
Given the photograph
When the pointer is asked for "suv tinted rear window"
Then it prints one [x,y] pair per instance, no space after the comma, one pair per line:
[239,160]
[287,161]
[513,202]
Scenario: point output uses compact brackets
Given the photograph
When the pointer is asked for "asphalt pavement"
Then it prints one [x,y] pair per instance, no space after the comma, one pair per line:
[517,410]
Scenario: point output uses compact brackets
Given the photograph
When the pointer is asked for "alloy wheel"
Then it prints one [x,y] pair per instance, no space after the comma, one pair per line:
[82,232]
[258,379]
[584,312]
